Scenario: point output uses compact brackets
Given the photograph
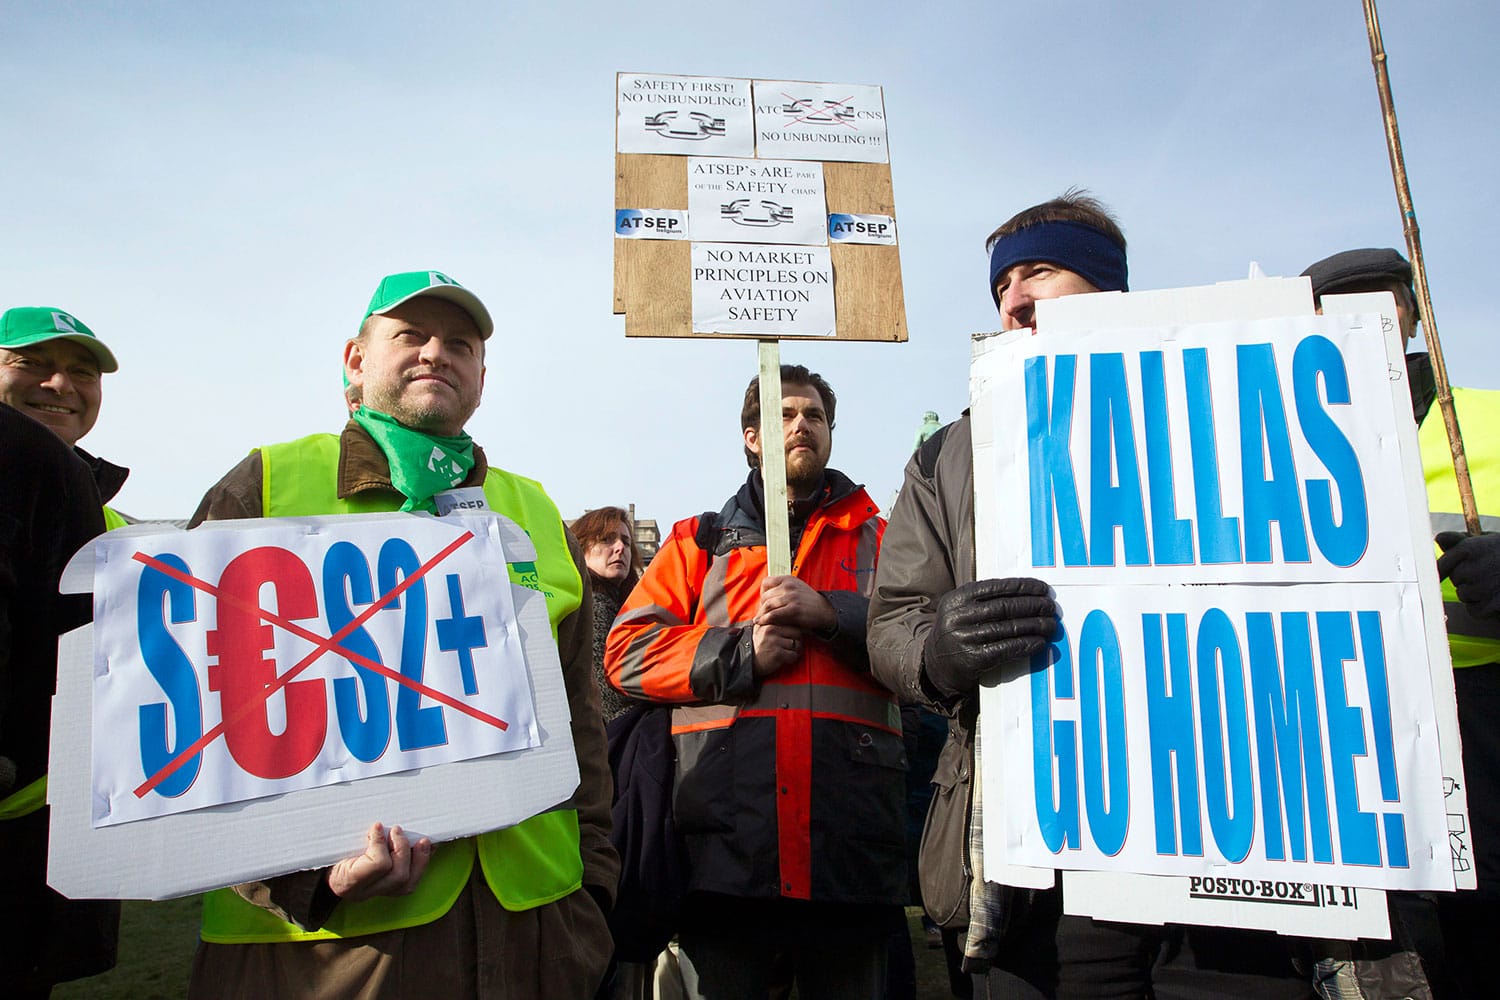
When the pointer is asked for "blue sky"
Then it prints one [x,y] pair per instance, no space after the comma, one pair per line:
[216,190]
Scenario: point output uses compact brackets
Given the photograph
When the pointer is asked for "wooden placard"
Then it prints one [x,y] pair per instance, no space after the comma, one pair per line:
[652,278]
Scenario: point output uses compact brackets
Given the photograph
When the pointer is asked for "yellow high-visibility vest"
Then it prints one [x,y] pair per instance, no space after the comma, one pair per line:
[528,865]
[1470,642]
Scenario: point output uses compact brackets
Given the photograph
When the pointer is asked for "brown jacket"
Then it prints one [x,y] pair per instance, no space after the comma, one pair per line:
[477,949]
[927,551]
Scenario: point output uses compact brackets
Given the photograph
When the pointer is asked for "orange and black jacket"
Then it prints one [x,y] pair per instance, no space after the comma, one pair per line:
[792,785]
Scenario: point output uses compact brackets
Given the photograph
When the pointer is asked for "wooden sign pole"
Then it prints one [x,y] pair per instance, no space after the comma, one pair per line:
[773,461]
[1419,272]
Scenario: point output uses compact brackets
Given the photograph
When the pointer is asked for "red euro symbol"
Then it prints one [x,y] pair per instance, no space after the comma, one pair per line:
[242,675]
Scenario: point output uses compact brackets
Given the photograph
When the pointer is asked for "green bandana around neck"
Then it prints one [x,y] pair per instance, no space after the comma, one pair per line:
[421,464]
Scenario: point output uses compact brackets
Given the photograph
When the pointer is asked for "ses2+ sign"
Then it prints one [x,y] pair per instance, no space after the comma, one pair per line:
[231,665]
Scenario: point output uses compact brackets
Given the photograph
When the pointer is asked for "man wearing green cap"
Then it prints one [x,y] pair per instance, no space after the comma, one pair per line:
[516,912]
[51,368]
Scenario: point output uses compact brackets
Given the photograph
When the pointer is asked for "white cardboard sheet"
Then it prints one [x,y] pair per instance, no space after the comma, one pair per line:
[428,676]
[1124,893]
[1209,772]
[181,853]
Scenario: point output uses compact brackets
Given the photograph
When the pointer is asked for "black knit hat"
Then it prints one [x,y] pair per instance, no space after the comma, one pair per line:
[1359,270]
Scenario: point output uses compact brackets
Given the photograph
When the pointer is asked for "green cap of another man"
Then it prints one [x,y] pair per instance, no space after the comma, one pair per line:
[395,289]
[27,325]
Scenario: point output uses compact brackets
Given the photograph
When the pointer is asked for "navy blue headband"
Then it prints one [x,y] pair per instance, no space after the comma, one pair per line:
[1082,249]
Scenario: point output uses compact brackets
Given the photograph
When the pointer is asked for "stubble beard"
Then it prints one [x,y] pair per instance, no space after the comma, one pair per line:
[804,472]
[430,416]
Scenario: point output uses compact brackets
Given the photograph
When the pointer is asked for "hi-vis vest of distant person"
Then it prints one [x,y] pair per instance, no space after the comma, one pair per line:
[528,865]
[1470,641]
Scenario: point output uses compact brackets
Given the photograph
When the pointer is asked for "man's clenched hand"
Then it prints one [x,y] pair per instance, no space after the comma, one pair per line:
[1472,563]
[390,866]
[983,624]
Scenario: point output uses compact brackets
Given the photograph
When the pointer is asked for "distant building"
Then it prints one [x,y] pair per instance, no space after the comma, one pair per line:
[647,536]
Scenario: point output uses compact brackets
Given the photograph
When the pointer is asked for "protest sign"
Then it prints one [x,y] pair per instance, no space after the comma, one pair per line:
[1245,683]
[298,678]
[845,288]
[817,175]
[386,680]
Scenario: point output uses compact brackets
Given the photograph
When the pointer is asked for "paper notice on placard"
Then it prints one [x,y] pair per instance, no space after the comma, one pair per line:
[820,121]
[764,291]
[683,115]
[756,201]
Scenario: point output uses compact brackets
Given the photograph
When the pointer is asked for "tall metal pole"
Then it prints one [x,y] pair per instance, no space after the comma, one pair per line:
[1419,272]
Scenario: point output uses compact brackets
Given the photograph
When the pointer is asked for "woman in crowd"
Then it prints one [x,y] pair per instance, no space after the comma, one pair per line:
[614,564]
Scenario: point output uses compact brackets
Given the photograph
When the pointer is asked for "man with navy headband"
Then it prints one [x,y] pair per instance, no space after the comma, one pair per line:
[935,630]
[1066,246]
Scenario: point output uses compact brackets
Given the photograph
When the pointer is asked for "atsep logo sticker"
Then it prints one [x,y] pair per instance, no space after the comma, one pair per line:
[363,646]
[844,228]
[651,224]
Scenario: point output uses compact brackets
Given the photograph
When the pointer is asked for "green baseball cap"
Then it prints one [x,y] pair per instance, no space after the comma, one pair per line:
[27,325]
[395,289]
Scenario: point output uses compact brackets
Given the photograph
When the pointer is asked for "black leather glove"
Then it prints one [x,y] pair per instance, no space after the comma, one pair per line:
[982,625]
[1472,562]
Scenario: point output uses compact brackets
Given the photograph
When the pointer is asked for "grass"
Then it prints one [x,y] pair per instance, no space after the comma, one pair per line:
[157,942]
[932,972]
[156,953]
